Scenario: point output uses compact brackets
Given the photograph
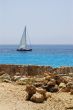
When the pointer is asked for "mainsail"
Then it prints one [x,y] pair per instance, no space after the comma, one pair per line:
[23,44]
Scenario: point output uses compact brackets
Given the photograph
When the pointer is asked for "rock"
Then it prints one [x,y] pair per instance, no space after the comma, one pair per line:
[62,85]
[53,89]
[30,89]
[69,85]
[37,84]
[5,77]
[48,77]
[25,80]
[39,79]
[17,74]
[51,83]
[48,95]
[65,89]
[58,79]
[71,91]
[70,74]
[41,91]
[37,98]
[6,80]
[15,78]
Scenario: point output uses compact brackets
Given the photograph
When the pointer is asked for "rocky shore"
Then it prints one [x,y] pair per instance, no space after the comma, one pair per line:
[36,87]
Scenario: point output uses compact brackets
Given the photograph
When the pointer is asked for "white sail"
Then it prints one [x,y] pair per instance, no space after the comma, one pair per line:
[23,43]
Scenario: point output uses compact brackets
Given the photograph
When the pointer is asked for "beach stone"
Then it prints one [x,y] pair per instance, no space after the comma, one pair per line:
[37,98]
[58,79]
[37,84]
[69,85]
[71,91]
[17,74]
[48,95]
[64,89]
[39,79]
[51,83]
[70,74]
[48,77]
[15,78]
[53,89]
[62,85]
[30,89]
[5,76]
[41,91]
[2,72]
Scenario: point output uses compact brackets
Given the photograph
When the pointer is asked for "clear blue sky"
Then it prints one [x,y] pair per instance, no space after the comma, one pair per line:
[48,21]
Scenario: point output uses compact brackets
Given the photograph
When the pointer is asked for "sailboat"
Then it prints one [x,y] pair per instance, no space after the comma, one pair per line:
[23,42]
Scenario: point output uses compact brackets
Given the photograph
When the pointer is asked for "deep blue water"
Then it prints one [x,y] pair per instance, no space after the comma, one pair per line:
[53,55]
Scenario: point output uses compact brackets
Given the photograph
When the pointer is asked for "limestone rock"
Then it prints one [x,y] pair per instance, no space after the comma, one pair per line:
[41,90]
[48,95]
[48,77]
[5,76]
[37,84]
[70,74]
[62,85]
[70,85]
[37,98]
[30,89]
[15,78]
[71,91]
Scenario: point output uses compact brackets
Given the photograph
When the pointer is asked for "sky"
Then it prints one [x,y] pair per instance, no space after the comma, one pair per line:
[47,21]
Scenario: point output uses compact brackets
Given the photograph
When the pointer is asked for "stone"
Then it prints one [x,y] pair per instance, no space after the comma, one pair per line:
[48,95]
[51,83]
[48,77]
[62,85]
[6,80]
[15,78]
[37,84]
[41,90]
[37,98]
[69,85]
[71,91]
[53,89]
[5,76]
[70,74]
[30,89]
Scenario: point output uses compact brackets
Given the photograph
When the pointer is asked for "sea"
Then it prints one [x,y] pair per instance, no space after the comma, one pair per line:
[50,55]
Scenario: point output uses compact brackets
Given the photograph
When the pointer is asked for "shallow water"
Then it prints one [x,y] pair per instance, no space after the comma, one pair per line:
[53,55]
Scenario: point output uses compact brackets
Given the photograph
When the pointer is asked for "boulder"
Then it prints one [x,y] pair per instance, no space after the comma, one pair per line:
[69,85]
[5,76]
[48,77]
[53,89]
[71,91]
[62,85]
[70,74]
[30,89]
[41,91]
[37,84]
[48,95]
[15,78]
[37,98]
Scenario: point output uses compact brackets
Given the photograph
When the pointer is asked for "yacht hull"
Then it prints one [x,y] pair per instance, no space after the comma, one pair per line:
[24,49]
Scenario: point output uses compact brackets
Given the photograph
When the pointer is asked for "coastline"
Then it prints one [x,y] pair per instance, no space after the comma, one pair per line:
[34,69]
[15,78]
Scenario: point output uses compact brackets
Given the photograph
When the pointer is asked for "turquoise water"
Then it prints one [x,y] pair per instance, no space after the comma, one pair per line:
[53,55]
